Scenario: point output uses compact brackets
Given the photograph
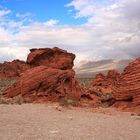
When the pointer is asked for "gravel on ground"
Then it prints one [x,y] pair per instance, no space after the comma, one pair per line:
[49,122]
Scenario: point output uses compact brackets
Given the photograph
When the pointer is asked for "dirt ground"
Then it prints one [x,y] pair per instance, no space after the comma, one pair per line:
[45,122]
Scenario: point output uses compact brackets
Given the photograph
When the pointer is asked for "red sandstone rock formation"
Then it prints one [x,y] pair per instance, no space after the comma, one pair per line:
[12,69]
[50,77]
[54,58]
[105,84]
[44,82]
[128,87]
[125,88]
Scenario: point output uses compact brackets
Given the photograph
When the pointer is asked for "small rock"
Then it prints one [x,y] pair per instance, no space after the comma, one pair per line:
[59,108]
[132,114]
[53,131]
[138,114]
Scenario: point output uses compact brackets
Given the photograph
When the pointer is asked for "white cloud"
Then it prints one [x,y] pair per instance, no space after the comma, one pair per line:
[115,27]
[84,7]
[51,22]
[9,53]
[4,12]
[4,35]
[112,30]
[22,16]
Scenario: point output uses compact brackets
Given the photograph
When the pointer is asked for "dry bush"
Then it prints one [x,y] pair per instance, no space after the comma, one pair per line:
[4,100]
[68,102]
[84,81]
[107,100]
[15,100]
[5,83]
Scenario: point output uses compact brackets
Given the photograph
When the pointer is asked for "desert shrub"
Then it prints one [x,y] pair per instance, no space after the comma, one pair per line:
[68,102]
[4,100]
[5,83]
[106,97]
[84,81]
[107,100]
[15,100]
[18,100]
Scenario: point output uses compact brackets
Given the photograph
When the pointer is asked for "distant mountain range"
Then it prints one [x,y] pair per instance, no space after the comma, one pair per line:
[91,68]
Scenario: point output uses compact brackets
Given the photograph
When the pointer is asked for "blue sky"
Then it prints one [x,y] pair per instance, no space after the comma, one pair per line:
[92,29]
[43,10]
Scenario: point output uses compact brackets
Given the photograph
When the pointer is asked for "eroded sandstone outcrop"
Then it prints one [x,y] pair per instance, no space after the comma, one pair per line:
[105,84]
[128,87]
[12,69]
[102,88]
[44,82]
[54,58]
[124,88]
[50,77]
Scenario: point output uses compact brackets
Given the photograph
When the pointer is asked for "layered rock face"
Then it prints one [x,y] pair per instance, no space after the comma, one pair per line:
[54,58]
[105,84]
[12,69]
[124,88]
[103,87]
[49,83]
[128,87]
[50,77]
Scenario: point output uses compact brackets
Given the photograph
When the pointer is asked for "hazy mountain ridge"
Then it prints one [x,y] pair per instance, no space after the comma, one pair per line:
[91,68]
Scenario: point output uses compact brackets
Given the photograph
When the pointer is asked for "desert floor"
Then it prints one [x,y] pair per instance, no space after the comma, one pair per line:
[45,122]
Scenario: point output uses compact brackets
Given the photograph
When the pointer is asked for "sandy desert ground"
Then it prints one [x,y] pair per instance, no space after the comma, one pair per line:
[45,122]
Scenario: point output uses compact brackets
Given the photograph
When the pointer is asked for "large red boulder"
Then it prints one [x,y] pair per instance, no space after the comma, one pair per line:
[48,83]
[54,58]
[12,69]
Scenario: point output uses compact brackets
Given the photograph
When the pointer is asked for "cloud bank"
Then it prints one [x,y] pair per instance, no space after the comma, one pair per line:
[112,30]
